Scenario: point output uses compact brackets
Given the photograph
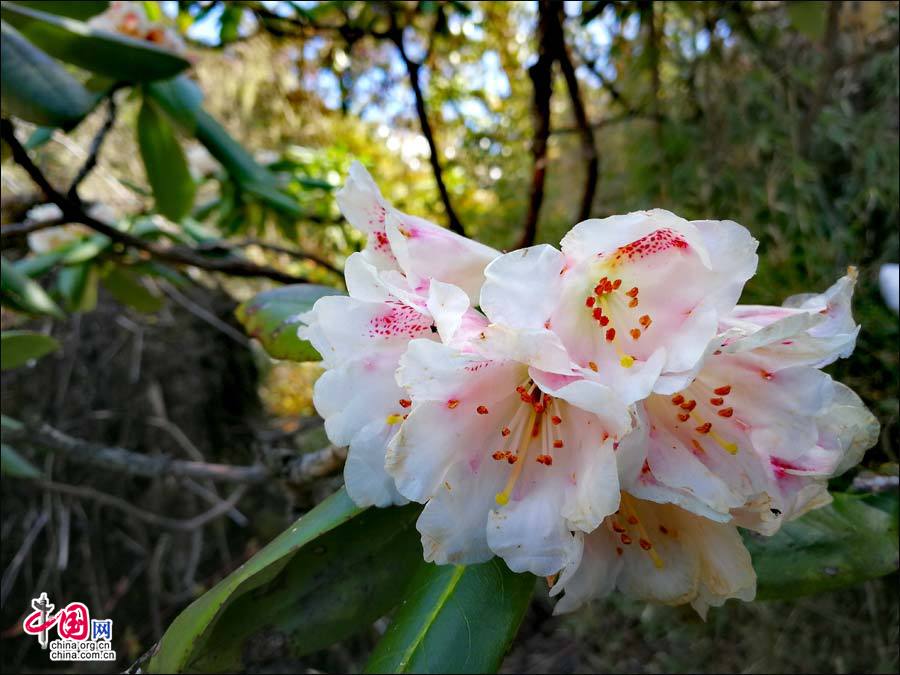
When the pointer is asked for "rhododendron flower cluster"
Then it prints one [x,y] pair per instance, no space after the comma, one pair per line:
[603,414]
[129,18]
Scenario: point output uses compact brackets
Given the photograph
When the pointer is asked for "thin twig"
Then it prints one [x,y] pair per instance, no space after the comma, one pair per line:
[16,230]
[178,255]
[412,69]
[294,253]
[541,74]
[588,145]
[94,152]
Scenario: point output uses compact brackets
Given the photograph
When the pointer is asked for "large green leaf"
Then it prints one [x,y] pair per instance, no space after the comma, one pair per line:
[181,99]
[81,10]
[110,54]
[333,572]
[38,89]
[14,465]
[167,169]
[126,287]
[77,285]
[849,541]
[272,317]
[455,620]
[21,346]
[24,294]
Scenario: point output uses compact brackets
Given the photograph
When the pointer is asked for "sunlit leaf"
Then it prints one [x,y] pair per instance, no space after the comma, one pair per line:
[126,287]
[165,164]
[272,317]
[21,346]
[24,294]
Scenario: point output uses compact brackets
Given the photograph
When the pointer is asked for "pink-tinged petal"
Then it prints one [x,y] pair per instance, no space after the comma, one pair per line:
[595,493]
[521,288]
[352,396]
[726,570]
[590,577]
[368,484]
[537,347]
[426,251]
[732,253]
[589,396]
[363,280]
[447,305]
[365,209]
[453,522]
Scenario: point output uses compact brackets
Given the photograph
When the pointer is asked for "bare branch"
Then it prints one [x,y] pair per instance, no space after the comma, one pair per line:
[15,230]
[541,74]
[94,152]
[74,212]
[412,69]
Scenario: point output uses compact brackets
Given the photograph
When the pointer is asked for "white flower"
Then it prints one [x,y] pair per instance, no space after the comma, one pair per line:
[758,432]
[889,281]
[130,19]
[634,299]
[362,337]
[659,553]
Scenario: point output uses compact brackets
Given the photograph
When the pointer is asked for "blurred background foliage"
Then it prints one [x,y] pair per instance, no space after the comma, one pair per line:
[780,116]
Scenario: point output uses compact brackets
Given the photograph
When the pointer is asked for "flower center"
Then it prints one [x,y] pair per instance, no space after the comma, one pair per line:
[609,298]
[535,421]
[715,399]
[626,525]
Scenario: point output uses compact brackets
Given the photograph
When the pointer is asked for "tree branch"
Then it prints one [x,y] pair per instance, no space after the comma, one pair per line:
[541,74]
[16,230]
[94,152]
[73,212]
[412,69]
[589,147]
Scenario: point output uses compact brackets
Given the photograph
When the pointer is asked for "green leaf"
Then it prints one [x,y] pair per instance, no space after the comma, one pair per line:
[167,169]
[126,287]
[24,294]
[36,265]
[81,10]
[111,54]
[14,465]
[808,17]
[272,317]
[77,285]
[85,249]
[849,541]
[39,137]
[455,620]
[36,88]
[21,346]
[333,572]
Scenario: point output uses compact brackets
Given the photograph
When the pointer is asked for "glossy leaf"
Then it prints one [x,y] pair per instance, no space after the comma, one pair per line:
[165,164]
[455,619]
[849,541]
[21,346]
[81,10]
[38,89]
[127,288]
[110,54]
[332,573]
[24,294]
[77,285]
[14,465]
[272,317]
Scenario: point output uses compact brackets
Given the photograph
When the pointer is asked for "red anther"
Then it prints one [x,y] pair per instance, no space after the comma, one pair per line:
[718,400]
[593,366]
[635,333]
[605,437]
[505,432]
[619,550]
[689,405]
[678,399]
[520,389]
[645,321]
[599,289]
[610,334]
[616,284]
[538,408]
[625,539]
[405,402]
[704,428]
[632,520]
[590,301]
[717,352]
[684,417]
[646,545]
[547,324]
[546,460]
[633,303]
[482,410]
[632,293]
[617,528]
[725,412]
[597,313]
[766,375]
[452,403]
[526,397]
[499,455]
[723,391]
[664,529]
[556,419]
[511,458]
[604,320]
[557,444]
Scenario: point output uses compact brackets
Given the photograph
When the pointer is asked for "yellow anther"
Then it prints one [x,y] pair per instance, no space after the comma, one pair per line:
[626,361]
[502,498]
[394,419]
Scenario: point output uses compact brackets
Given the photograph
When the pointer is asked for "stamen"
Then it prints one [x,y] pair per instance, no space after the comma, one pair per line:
[502,498]
[725,412]
[645,321]
[405,402]
[704,428]
[717,401]
[394,419]
[505,432]
[633,303]
[625,539]
[589,302]
[452,403]
[722,391]
[593,366]
[678,399]
[635,333]
[610,334]
[556,419]
[482,410]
